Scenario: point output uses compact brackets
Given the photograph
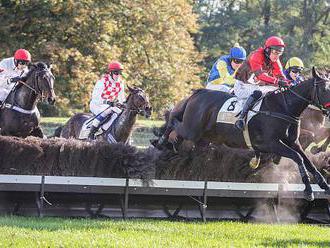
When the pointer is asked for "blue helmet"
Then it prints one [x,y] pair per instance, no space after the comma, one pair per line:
[237,52]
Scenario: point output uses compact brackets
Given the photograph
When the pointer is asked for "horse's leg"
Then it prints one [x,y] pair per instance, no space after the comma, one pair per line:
[37,132]
[191,131]
[306,137]
[323,133]
[312,169]
[284,150]
[325,145]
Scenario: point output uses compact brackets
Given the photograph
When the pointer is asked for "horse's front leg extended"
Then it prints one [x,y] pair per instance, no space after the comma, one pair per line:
[306,137]
[325,145]
[312,169]
[281,149]
[37,132]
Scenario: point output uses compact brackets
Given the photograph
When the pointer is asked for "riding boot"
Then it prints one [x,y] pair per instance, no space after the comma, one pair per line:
[240,123]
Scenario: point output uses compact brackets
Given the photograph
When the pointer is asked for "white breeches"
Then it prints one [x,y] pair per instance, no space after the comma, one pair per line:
[102,111]
[243,90]
[219,87]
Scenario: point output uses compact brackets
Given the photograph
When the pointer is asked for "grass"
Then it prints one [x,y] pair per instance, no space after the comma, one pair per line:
[140,137]
[57,232]
[61,120]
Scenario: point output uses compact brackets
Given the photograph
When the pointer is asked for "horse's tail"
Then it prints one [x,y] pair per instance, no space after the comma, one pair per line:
[57,132]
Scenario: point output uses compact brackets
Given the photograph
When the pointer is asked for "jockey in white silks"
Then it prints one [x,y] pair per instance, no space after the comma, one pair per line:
[221,76]
[11,71]
[109,89]
[259,74]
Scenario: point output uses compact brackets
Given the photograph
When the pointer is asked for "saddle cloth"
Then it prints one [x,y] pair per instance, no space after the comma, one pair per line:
[230,110]
[86,127]
[229,113]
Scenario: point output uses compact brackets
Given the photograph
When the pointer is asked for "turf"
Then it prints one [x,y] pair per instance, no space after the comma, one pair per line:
[57,232]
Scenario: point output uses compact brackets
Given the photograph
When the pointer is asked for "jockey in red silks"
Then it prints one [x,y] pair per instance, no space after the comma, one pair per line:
[107,91]
[11,71]
[259,74]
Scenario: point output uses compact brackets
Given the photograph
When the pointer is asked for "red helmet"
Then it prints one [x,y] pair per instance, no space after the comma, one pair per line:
[22,54]
[274,41]
[115,66]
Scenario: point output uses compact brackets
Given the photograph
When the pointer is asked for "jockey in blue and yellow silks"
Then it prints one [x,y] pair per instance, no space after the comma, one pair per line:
[293,68]
[221,76]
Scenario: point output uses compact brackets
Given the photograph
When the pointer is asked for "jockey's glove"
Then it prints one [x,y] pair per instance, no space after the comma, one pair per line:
[15,79]
[283,84]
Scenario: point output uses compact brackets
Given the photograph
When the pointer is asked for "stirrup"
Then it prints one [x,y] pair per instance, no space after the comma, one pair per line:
[239,124]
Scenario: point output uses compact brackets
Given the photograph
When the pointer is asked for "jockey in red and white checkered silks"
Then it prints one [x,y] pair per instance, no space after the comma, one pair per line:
[109,89]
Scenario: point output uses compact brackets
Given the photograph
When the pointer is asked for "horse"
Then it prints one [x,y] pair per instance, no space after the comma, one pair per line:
[137,103]
[313,129]
[273,130]
[19,115]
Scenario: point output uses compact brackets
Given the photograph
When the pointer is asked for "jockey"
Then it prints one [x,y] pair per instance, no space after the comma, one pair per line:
[221,76]
[11,71]
[259,74]
[292,71]
[107,91]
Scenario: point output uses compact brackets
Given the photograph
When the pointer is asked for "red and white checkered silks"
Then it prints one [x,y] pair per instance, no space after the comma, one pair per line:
[111,89]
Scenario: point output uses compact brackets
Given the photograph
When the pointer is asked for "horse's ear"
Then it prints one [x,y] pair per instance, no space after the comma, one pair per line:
[31,66]
[49,65]
[315,73]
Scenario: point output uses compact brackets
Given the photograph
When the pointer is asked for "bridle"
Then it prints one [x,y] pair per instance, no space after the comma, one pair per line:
[315,99]
[134,108]
[36,87]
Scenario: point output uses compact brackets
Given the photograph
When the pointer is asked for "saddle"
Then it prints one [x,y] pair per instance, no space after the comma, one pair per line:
[85,129]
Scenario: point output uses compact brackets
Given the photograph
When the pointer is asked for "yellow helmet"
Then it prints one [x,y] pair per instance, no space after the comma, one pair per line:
[294,62]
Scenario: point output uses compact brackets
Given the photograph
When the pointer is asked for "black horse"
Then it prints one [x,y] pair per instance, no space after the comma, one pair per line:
[274,129]
[19,115]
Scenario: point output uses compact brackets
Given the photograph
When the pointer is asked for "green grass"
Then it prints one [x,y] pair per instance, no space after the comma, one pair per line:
[140,137]
[56,232]
[140,122]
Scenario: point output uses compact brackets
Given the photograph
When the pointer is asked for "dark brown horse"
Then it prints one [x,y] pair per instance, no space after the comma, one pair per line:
[19,115]
[314,129]
[274,129]
[137,103]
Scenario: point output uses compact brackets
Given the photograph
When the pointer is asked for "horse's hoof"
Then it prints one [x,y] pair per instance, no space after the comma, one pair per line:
[254,163]
[309,196]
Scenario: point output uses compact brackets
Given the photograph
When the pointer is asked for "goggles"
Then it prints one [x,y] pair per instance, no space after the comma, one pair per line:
[22,62]
[116,72]
[296,71]
[238,61]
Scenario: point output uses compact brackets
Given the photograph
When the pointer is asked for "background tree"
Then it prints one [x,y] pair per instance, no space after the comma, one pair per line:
[167,47]
[151,38]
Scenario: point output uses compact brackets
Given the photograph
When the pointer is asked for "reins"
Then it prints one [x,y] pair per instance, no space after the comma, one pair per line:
[315,101]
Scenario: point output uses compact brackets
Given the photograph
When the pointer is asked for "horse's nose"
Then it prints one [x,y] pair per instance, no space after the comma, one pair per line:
[51,100]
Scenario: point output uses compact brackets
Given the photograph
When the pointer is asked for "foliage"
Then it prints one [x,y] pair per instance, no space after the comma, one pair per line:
[152,40]
[304,25]
[163,44]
